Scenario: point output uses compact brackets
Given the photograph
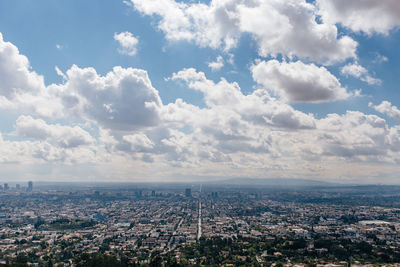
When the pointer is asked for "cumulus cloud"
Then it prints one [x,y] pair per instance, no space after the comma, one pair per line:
[387,108]
[354,137]
[253,134]
[367,16]
[354,134]
[217,64]
[123,99]
[21,88]
[128,43]
[258,107]
[299,82]
[139,142]
[289,28]
[358,71]
[64,136]
[28,152]
[15,72]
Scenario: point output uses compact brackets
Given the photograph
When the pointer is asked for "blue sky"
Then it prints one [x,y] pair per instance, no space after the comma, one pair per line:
[204,90]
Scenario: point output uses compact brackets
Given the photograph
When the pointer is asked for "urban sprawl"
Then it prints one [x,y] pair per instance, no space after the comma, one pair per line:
[198,225]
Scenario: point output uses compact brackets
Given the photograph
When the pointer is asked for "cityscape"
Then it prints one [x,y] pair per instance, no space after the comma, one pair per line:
[199,224]
[17,187]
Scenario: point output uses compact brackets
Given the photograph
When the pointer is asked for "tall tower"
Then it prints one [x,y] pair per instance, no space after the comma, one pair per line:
[188,192]
[30,186]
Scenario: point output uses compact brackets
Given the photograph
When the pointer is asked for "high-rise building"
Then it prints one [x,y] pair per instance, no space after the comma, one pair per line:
[6,186]
[30,186]
[153,193]
[17,186]
[188,192]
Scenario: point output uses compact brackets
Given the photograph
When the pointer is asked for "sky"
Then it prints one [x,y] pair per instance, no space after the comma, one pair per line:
[168,90]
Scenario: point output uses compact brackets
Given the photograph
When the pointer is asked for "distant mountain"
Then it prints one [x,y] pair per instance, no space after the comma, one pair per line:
[275,182]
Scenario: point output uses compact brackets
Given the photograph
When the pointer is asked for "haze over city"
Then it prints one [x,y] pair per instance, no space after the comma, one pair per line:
[168,90]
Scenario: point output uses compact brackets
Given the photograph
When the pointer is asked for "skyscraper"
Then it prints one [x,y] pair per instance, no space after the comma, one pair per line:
[6,186]
[30,186]
[188,192]
[214,194]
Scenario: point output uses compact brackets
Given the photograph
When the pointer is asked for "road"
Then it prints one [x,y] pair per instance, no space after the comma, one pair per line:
[199,223]
[170,246]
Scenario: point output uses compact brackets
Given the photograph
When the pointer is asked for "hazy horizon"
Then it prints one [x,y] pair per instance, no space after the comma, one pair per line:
[234,182]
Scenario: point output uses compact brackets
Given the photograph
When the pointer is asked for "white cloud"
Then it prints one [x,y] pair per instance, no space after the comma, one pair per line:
[217,64]
[354,135]
[337,142]
[369,16]
[357,136]
[128,43]
[279,27]
[64,136]
[37,153]
[254,134]
[358,71]
[380,58]
[387,108]
[21,88]
[290,28]
[299,82]
[226,99]
[60,73]
[139,142]
[15,72]
[123,99]
[340,139]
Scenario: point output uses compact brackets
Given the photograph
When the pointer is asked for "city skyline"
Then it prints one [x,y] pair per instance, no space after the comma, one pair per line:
[180,91]
[217,225]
